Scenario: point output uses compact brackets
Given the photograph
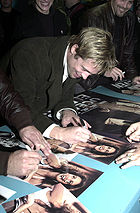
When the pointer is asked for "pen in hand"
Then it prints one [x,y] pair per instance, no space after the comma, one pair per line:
[52,159]
[82,124]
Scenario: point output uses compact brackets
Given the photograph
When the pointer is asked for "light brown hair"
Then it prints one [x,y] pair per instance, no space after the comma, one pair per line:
[96,44]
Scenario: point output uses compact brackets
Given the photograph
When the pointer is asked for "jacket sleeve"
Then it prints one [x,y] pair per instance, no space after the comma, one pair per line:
[28,76]
[127,61]
[12,107]
[102,17]
[67,96]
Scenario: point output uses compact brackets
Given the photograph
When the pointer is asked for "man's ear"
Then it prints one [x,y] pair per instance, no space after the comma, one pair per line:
[73,49]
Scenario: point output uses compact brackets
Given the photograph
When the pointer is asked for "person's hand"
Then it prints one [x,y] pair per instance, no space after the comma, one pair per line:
[56,195]
[22,162]
[115,73]
[70,134]
[133,132]
[69,116]
[34,139]
[136,80]
[129,158]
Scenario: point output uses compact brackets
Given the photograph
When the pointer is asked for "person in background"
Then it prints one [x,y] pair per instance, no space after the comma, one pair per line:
[1,36]
[116,17]
[41,18]
[7,20]
[45,70]
[137,46]
[74,9]
[12,108]
[132,156]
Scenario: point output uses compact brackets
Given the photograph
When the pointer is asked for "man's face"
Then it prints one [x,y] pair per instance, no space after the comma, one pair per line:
[69,179]
[79,68]
[43,6]
[6,3]
[120,7]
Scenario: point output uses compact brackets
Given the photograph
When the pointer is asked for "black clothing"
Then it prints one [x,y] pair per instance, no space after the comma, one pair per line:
[7,21]
[12,108]
[32,23]
[137,47]
[102,16]
[75,12]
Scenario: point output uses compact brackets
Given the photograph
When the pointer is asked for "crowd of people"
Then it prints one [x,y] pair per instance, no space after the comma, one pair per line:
[46,50]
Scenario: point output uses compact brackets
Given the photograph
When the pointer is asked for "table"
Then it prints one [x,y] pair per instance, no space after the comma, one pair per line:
[116,190]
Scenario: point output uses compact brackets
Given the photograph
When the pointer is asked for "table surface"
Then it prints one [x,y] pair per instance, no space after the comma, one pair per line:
[116,190]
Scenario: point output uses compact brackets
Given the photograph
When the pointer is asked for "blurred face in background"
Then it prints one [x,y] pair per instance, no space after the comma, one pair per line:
[43,6]
[120,7]
[6,3]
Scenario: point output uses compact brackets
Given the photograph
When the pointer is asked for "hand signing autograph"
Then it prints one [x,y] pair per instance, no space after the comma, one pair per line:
[71,134]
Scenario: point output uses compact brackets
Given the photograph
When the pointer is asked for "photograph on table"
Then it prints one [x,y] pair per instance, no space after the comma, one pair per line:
[2,199]
[9,141]
[119,85]
[108,114]
[125,86]
[102,148]
[50,199]
[75,177]
[5,193]
[132,90]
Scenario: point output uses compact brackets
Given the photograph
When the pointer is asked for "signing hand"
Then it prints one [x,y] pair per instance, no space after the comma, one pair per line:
[70,134]
[133,132]
[34,139]
[115,73]
[22,162]
[69,116]
[130,158]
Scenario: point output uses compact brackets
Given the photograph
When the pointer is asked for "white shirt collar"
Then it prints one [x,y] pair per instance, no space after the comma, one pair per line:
[65,65]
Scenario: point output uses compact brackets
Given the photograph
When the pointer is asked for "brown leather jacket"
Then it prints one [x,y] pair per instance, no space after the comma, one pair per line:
[12,109]
[102,16]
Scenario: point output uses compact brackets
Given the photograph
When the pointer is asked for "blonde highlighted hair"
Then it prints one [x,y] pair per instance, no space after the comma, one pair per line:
[96,44]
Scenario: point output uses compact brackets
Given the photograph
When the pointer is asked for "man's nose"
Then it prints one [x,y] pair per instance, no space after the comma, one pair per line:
[84,75]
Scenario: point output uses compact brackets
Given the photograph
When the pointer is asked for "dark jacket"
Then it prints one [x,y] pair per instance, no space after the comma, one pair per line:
[102,16]
[32,23]
[36,66]
[137,48]
[12,109]
[75,12]
[7,21]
